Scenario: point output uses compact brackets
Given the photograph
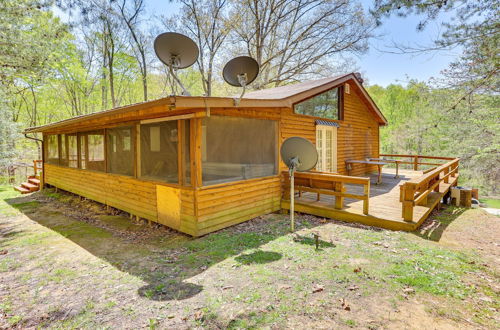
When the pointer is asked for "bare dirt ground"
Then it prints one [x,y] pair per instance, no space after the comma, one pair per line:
[67,263]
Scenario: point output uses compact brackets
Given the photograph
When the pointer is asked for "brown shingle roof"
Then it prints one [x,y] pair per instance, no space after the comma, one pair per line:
[282,92]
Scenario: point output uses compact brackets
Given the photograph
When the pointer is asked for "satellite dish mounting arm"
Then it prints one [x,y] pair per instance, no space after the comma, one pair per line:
[294,163]
[172,64]
[242,79]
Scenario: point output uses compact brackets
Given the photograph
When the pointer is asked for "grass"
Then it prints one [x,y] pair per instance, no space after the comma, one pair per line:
[493,203]
[258,276]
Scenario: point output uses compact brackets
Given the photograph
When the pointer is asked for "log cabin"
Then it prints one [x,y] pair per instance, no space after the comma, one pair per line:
[200,164]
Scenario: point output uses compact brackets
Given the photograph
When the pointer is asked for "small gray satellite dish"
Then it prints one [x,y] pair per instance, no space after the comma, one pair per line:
[299,155]
[176,51]
[239,72]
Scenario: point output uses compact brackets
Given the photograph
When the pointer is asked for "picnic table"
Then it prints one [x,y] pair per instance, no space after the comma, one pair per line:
[369,162]
[395,161]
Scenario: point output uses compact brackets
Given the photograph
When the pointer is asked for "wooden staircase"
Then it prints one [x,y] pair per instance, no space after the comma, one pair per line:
[32,185]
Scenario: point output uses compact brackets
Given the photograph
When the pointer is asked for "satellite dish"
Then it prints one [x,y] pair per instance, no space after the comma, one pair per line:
[176,51]
[299,155]
[239,72]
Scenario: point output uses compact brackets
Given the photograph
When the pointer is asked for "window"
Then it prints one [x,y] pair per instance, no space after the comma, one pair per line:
[159,151]
[237,149]
[52,146]
[120,153]
[324,105]
[92,150]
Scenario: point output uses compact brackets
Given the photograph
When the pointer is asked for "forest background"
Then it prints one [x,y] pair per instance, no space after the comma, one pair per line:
[102,57]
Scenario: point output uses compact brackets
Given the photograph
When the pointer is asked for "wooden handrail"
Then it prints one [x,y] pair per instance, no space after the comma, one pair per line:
[416,191]
[416,159]
[330,184]
[37,165]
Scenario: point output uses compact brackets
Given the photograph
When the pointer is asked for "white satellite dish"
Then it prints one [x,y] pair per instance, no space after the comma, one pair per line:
[299,155]
[239,72]
[176,51]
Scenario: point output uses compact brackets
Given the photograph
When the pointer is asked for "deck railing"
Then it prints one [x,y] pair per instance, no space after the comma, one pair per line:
[37,167]
[328,184]
[416,160]
[416,191]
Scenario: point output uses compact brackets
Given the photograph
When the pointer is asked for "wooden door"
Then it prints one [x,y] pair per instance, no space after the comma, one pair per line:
[326,144]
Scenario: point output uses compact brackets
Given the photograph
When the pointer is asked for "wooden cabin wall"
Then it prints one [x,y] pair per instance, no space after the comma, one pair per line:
[131,195]
[206,209]
[226,204]
[358,135]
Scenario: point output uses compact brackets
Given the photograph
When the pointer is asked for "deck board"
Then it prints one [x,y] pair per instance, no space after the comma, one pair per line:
[385,209]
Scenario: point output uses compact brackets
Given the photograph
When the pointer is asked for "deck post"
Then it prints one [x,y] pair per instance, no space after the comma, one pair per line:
[366,202]
[339,200]
[408,201]
[446,171]
[415,163]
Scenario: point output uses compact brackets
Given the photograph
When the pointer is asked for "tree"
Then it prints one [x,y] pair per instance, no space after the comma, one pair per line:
[474,27]
[207,22]
[28,36]
[293,39]
[131,17]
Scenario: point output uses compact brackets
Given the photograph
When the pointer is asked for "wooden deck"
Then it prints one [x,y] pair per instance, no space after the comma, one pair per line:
[385,207]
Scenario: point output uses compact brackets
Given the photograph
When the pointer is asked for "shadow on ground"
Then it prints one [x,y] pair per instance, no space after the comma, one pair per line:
[433,228]
[163,258]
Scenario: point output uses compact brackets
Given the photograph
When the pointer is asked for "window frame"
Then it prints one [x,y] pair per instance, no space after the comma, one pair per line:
[340,106]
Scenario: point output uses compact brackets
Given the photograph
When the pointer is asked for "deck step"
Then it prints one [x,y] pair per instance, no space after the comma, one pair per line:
[34,181]
[29,186]
[22,190]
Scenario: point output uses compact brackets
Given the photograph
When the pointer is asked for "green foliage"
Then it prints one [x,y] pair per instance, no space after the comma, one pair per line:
[422,121]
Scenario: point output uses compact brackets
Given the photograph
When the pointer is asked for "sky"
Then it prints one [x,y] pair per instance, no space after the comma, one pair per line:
[378,65]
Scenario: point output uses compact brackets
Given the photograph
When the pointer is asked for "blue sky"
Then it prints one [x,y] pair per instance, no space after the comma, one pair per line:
[379,66]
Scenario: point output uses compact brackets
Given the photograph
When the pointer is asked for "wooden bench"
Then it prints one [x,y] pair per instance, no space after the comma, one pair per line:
[369,162]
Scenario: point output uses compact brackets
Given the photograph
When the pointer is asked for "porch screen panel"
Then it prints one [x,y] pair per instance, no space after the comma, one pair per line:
[120,151]
[52,146]
[63,145]
[82,150]
[72,150]
[92,150]
[95,155]
[186,152]
[159,151]
[237,149]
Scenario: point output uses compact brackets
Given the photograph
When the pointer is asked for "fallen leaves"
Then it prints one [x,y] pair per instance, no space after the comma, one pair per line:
[409,290]
[198,315]
[345,305]
[317,288]
[353,287]
[357,270]
[3,252]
